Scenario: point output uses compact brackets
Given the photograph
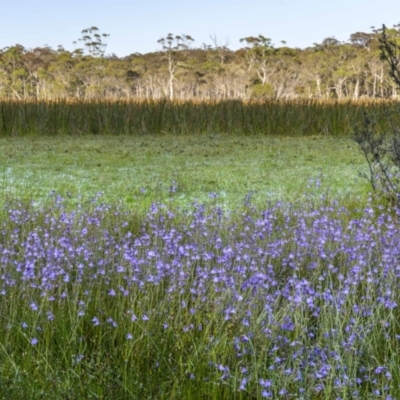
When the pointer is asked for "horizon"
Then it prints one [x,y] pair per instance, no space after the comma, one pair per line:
[136,28]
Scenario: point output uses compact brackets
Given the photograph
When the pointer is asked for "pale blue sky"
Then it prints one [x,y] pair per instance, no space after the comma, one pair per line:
[136,25]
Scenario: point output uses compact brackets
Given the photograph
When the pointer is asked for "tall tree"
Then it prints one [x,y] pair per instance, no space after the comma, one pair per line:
[173,47]
[94,42]
[12,65]
[222,50]
[259,56]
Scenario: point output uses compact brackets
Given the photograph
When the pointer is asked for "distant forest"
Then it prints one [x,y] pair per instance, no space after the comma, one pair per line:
[182,71]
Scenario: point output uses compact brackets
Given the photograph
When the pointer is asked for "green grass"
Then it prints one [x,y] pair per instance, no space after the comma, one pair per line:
[138,170]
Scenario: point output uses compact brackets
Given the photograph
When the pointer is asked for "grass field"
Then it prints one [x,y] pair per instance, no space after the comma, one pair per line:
[213,266]
[137,170]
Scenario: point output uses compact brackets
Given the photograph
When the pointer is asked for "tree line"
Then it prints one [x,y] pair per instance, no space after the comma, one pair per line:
[179,70]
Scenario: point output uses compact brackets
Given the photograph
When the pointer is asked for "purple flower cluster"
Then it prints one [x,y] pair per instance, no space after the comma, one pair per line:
[308,298]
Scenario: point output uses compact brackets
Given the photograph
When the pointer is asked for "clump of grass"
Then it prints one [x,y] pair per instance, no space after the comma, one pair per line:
[299,117]
[280,302]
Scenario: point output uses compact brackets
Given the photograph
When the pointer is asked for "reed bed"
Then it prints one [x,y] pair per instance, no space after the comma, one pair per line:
[300,117]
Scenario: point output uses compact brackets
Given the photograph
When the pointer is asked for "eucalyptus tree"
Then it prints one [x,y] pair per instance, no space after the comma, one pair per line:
[287,80]
[222,50]
[345,70]
[316,72]
[94,42]
[362,40]
[175,49]
[36,63]
[259,52]
[65,82]
[374,69]
[15,73]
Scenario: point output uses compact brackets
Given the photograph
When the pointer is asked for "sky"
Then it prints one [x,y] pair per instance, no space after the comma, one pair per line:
[137,25]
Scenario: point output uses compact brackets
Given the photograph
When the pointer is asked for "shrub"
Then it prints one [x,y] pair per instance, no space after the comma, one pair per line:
[381,146]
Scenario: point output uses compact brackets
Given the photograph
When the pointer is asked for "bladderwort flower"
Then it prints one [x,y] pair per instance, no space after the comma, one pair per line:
[266,394]
[112,322]
[243,384]
[225,370]
[77,359]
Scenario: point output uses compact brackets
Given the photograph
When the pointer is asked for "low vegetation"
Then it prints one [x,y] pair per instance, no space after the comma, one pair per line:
[136,171]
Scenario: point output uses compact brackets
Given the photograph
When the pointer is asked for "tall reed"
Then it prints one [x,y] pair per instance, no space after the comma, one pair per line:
[301,117]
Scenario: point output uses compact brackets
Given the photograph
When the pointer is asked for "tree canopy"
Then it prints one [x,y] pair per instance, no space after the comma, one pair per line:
[180,70]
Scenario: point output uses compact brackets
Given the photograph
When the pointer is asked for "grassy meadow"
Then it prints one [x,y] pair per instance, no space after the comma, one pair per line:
[138,170]
[194,251]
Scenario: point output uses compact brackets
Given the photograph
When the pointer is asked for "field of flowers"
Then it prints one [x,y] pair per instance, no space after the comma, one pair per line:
[281,302]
